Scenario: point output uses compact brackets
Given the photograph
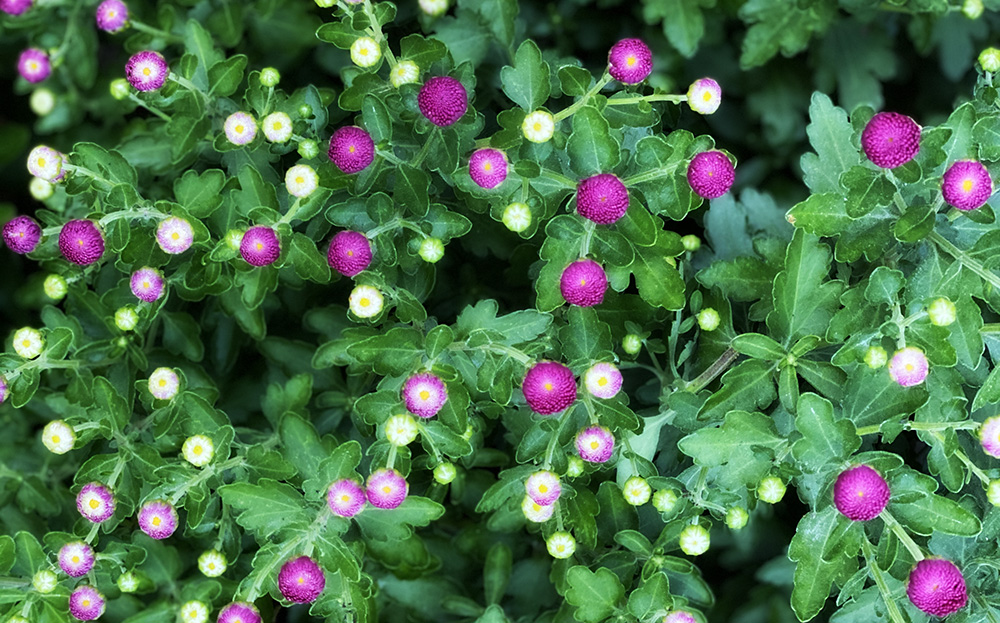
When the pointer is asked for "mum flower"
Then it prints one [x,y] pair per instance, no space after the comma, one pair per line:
[76,559]
[967,185]
[890,139]
[937,587]
[860,493]
[198,450]
[212,563]
[665,500]
[34,65]
[386,488]
[602,198]
[240,128]
[695,540]
[15,7]
[431,250]
[351,149]
[277,127]
[549,387]
[147,70]
[260,246]
[164,383]
[126,318]
[4,389]
[86,603]
[301,580]
[737,517]
[443,100]
[405,72]
[28,342]
[81,242]
[771,489]
[345,498]
[603,380]
[239,612]
[365,52]
[583,283]
[174,235]
[158,519]
[445,472]
[679,616]
[517,217]
[535,512]
[366,301]
[21,234]
[55,287]
[350,253]
[433,8]
[424,394]
[538,126]
[595,444]
[301,180]
[46,163]
[989,436]
[147,284]
[711,174]
[908,366]
[488,167]
[58,437]
[112,16]
[636,491]
[560,545]
[194,612]
[704,96]
[95,502]
[630,61]
[543,487]
[44,581]
[401,430]
[942,312]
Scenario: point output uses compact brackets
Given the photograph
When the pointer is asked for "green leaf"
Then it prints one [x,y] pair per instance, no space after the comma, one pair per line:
[650,598]
[225,76]
[496,572]
[410,189]
[866,190]
[527,82]
[740,279]
[6,553]
[932,513]
[182,335]
[884,285]
[574,81]
[871,397]
[341,34]
[830,136]
[813,575]
[395,352]
[301,443]
[749,385]
[376,118]
[595,594]
[591,147]
[634,541]
[758,346]
[421,50]
[585,338]
[822,214]
[266,508]
[669,192]
[986,135]
[825,440]
[778,26]
[341,463]
[307,260]
[915,224]
[658,281]
[803,303]
[859,58]
[989,393]
[743,447]
[397,524]
[683,22]
[110,404]
[110,165]
[198,42]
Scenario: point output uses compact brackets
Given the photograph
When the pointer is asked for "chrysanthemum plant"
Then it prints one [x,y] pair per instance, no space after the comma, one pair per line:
[253,397]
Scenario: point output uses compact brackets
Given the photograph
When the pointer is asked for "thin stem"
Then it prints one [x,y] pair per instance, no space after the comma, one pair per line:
[304,538]
[719,366]
[405,224]
[426,148]
[964,259]
[900,203]
[292,211]
[207,473]
[76,169]
[388,155]
[384,227]
[156,111]
[92,534]
[558,177]
[902,535]
[390,460]
[156,32]
[578,104]
[376,30]
[656,97]
[588,234]
[890,603]
[965,459]
[187,84]
[510,351]
[650,175]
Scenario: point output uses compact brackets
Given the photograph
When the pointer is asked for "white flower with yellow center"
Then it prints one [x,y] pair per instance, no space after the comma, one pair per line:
[198,450]
[401,429]
[366,301]
[539,126]
[704,96]
[405,72]
[301,180]
[212,563]
[55,287]
[194,612]
[58,437]
[164,383]
[431,250]
[535,512]
[561,545]
[42,102]
[28,342]
[694,540]
[636,491]
[365,52]
[45,581]
[45,162]
[277,127]
[240,128]
[771,489]
[40,189]
[517,217]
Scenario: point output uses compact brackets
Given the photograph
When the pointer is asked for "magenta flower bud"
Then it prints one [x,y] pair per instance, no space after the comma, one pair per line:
[937,587]
[603,380]
[260,246]
[595,444]
[112,16]
[424,394]
[583,283]
[549,387]
[860,493]
[81,242]
[95,502]
[679,616]
[443,100]
[345,498]
[239,612]
[34,65]
[630,61]
[890,139]
[350,253]
[908,366]
[4,389]
[158,519]
[966,185]
[14,7]
[351,149]
[602,198]
[147,284]
[21,234]
[543,487]
[386,488]
[989,436]
[488,168]
[76,559]
[711,174]
[147,70]
[174,235]
[301,580]
[86,603]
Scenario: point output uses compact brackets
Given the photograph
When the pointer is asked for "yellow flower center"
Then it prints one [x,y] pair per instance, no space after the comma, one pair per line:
[595,445]
[300,180]
[707,96]
[967,185]
[239,129]
[301,580]
[365,302]
[542,488]
[424,394]
[146,71]
[76,559]
[79,242]
[211,566]
[538,127]
[602,381]
[583,282]
[41,162]
[387,489]
[345,498]
[175,236]
[561,548]
[197,449]
[631,61]
[112,13]
[94,504]
[364,51]
[861,494]
[487,167]
[909,367]
[548,387]
[56,438]
[163,382]
[277,125]
[145,284]
[351,149]
[26,343]
[156,522]
[33,65]
[350,253]
[86,603]
[400,431]
[260,246]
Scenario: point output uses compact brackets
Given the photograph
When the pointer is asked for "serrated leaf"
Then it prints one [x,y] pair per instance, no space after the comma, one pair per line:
[830,136]
[527,82]
[396,352]
[266,508]
[743,447]
[866,190]
[740,279]
[595,594]
[804,302]
[749,385]
[591,147]
[758,346]
[813,575]
[825,440]
[778,26]
[822,214]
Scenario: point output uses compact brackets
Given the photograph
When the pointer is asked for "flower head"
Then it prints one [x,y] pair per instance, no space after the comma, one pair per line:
[603,380]
[76,559]
[365,52]
[301,180]
[147,284]
[602,198]
[350,253]
[908,366]
[876,357]
[34,65]
[431,250]
[636,491]
[860,493]
[665,500]
[445,472]
[86,603]
[989,60]
[549,387]
[711,174]
[433,8]
[595,444]
[198,450]
[174,235]
[771,489]
[301,580]
[424,394]
[260,246]
[212,563]
[937,587]
[126,318]
[28,342]
[58,437]
[737,517]
[386,488]
[942,312]
[890,139]
[158,519]
[194,612]
[4,389]
[351,149]
[488,167]
[239,612]
[95,502]
[366,301]
[704,96]
[112,16]
[308,149]
[966,185]
[405,72]
[583,283]
[543,487]
[401,429]
[679,616]
[42,101]
[240,128]
[21,234]
[538,126]
[345,498]
[560,545]
[277,127]
[44,581]
[147,70]
[993,492]
[632,344]
[40,189]
[695,540]
[15,7]
[443,100]
[989,436]
[164,383]
[128,582]
[535,512]
[517,217]
[630,61]
[81,242]
[46,163]
[269,77]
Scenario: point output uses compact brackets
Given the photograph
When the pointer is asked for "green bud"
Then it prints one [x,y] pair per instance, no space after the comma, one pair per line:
[126,318]
[972,8]
[708,319]
[44,581]
[694,540]
[989,60]
[737,517]
[55,287]
[325,4]
[444,473]
[665,500]
[305,111]
[308,149]
[269,77]
[40,189]
[574,469]
[636,491]
[432,250]
[517,217]
[993,492]
[42,101]
[632,344]
[120,89]
[691,243]
[876,357]
[234,238]
[771,489]
[942,312]
[128,582]
[469,432]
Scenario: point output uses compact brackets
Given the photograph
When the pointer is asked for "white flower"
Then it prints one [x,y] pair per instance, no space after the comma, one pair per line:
[365,52]
[55,287]
[212,563]
[42,101]
[444,473]
[434,8]
[194,612]
[603,380]
[539,126]
[704,96]
[770,489]
[366,301]
[29,342]
[45,581]
[45,162]
[517,217]
[58,437]
[636,491]
[632,344]
[126,318]
[277,127]
[405,72]
[737,517]
[40,189]
[164,383]
[400,430]
[431,250]
[301,180]
[198,450]
[240,128]
[535,512]
[694,540]
[993,492]
[561,545]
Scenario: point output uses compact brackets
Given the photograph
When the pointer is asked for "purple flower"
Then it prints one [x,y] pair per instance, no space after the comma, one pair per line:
[583,283]
[989,436]
[630,61]
[34,65]
[349,253]
[603,380]
[424,394]
[386,488]
[158,519]
[937,587]
[966,185]
[543,487]
[239,612]
[549,387]
[14,7]
[147,284]
[443,100]
[95,502]
[147,70]
[351,149]
[81,242]
[86,603]
[260,246]
[4,389]
[345,498]
[488,167]
[890,139]
[76,559]
[595,444]
[860,493]
[602,198]
[112,16]
[908,366]
[301,580]
[21,234]
[711,174]
[174,235]
[679,616]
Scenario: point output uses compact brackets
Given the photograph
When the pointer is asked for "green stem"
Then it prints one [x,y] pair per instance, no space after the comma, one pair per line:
[74,169]
[902,535]
[719,366]
[964,259]
[426,148]
[964,458]
[656,97]
[883,588]
[578,104]
[391,459]
[405,224]
[900,204]
[503,349]
[650,175]
[588,234]
[156,32]
[376,30]
[384,227]
[292,211]
[388,155]
[156,111]
[187,84]
[93,533]
[207,473]
[304,538]
[558,177]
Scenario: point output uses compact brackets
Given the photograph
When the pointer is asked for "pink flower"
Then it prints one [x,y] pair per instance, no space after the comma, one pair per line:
[147,284]
[549,387]
[603,380]
[158,519]
[81,242]
[595,444]
[345,498]
[711,174]
[350,253]
[351,149]
[386,488]
[76,559]
[937,587]
[989,436]
[4,389]
[860,493]
[95,502]
[34,65]
[174,235]
[86,603]
[147,70]
[443,100]
[488,168]
[966,185]
[260,246]
[908,366]
[21,234]
[112,15]
[630,61]
[424,394]
[14,7]
[583,283]
[679,616]
[301,580]
[239,612]
[543,487]
[890,139]
[602,198]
